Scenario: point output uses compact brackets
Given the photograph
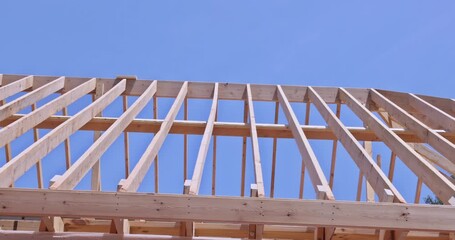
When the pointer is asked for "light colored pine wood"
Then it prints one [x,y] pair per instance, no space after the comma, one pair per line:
[438,142]
[429,175]
[214,161]
[126,145]
[226,209]
[96,168]
[255,145]
[334,151]
[265,130]
[242,180]
[8,90]
[155,116]
[204,146]
[78,170]
[311,163]
[274,148]
[39,168]
[360,155]
[67,145]
[22,162]
[185,140]
[22,125]
[131,184]
[30,98]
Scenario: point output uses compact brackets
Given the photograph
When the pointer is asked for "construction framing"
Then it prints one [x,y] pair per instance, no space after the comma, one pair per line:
[419,130]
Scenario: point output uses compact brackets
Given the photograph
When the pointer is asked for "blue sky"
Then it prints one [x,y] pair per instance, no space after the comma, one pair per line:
[403,46]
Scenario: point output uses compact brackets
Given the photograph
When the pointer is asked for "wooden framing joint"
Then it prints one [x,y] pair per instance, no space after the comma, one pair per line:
[127,77]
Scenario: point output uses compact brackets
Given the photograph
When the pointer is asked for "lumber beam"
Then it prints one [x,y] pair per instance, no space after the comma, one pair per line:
[25,160]
[255,145]
[78,170]
[274,147]
[155,116]
[334,151]
[22,125]
[204,146]
[131,184]
[265,130]
[96,169]
[318,179]
[8,90]
[30,98]
[26,202]
[436,115]
[438,142]
[443,188]
[434,157]
[359,155]
[242,177]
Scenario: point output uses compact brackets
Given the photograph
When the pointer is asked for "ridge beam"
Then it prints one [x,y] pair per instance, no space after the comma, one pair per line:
[205,143]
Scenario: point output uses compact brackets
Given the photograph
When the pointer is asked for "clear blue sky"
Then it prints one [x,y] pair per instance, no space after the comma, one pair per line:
[404,46]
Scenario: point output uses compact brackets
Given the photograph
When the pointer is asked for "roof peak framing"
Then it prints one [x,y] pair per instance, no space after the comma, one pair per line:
[408,124]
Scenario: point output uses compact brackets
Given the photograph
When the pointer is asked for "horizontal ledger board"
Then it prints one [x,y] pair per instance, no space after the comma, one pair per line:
[18,202]
[227,128]
[201,90]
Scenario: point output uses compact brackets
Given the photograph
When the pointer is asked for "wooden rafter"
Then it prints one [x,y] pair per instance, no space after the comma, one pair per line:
[131,184]
[314,169]
[431,177]
[76,172]
[419,130]
[361,157]
[204,147]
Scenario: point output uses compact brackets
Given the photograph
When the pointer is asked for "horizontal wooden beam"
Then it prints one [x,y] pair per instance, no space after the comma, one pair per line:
[227,128]
[12,235]
[26,202]
[202,90]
